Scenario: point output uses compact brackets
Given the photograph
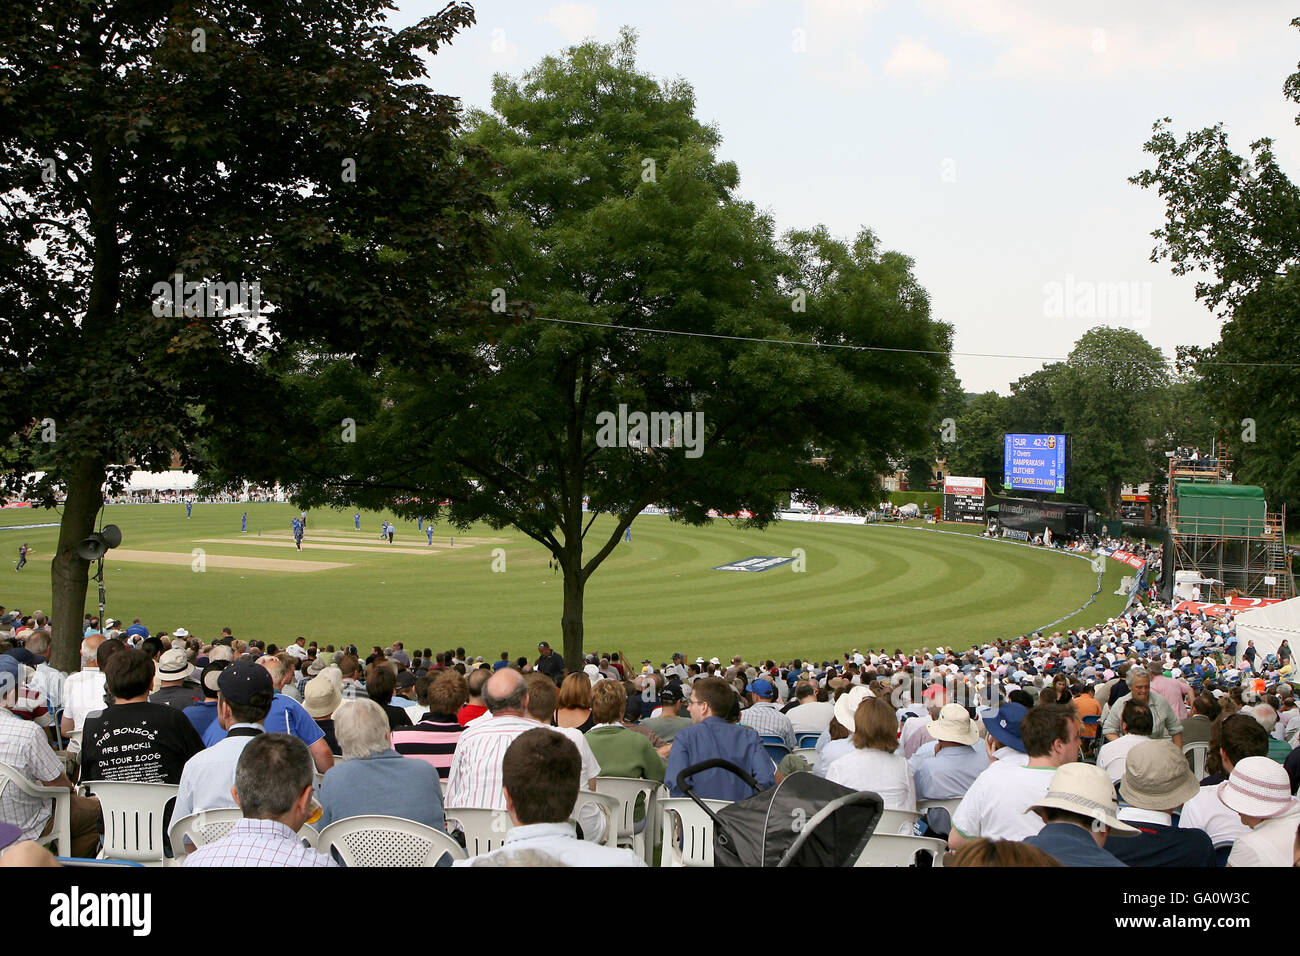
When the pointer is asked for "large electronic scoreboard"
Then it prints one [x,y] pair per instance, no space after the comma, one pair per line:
[963,499]
[1034,463]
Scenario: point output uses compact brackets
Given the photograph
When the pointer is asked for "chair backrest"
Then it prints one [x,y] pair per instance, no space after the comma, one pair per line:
[484,830]
[776,748]
[606,804]
[683,819]
[806,740]
[627,791]
[133,818]
[1196,754]
[950,805]
[896,821]
[891,849]
[201,828]
[376,840]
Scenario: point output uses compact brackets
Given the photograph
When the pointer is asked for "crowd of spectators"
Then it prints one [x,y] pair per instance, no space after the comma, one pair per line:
[1068,745]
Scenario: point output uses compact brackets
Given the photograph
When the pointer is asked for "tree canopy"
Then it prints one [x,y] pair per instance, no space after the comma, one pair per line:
[282,146]
[628,278]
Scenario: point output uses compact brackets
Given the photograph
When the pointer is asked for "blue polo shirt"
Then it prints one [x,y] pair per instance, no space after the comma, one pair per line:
[286,716]
[202,715]
[715,738]
[1072,845]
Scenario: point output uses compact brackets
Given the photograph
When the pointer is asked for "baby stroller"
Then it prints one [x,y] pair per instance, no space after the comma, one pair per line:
[804,820]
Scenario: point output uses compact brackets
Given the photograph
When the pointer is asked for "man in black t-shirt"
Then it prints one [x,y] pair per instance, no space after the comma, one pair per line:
[133,740]
[550,663]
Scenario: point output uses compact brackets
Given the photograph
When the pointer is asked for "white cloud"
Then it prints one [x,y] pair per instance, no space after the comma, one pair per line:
[1113,37]
[916,60]
[575,21]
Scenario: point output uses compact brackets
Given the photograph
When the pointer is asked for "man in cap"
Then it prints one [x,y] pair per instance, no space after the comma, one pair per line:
[994,807]
[1079,814]
[550,663]
[176,690]
[947,772]
[285,716]
[764,714]
[135,741]
[1157,782]
[244,695]
[669,721]
[1259,791]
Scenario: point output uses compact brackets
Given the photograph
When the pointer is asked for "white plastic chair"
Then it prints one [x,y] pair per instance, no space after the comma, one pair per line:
[61,833]
[376,840]
[1196,754]
[133,819]
[950,805]
[484,830]
[892,849]
[681,818]
[896,821]
[201,828]
[627,791]
[607,806]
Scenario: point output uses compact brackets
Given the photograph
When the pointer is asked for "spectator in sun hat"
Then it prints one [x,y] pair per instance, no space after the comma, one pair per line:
[1079,815]
[846,707]
[176,689]
[1259,791]
[1157,782]
[946,771]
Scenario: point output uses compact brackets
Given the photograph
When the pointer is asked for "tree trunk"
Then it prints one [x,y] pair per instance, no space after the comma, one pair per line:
[571,621]
[68,571]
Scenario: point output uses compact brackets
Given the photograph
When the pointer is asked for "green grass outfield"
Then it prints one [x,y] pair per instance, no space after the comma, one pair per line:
[875,586]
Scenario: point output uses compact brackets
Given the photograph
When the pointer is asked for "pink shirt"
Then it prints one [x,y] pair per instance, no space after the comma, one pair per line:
[1173,691]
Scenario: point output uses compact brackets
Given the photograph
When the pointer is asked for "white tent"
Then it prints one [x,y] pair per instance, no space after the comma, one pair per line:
[1269,626]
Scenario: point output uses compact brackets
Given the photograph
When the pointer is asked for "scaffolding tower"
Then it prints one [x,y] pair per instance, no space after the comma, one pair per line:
[1246,552]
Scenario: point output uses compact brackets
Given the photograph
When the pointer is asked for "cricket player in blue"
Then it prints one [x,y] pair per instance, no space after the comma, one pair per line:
[627,535]
[429,531]
[243,523]
[356,518]
[297,532]
[189,506]
[419,523]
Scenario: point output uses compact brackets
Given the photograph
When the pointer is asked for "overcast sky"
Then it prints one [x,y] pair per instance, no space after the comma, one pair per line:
[990,140]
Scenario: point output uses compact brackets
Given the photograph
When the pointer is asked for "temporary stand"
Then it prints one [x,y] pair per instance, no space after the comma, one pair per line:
[1246,551]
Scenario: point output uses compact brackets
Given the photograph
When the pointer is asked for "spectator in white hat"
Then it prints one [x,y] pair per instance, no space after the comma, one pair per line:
[1079,813]
[1259,791]
[947,772]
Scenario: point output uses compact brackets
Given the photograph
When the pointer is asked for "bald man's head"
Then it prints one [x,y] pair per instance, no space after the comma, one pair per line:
[90,649]
[506,692]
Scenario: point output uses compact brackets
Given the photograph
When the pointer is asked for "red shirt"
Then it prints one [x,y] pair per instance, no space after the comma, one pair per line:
[469,712]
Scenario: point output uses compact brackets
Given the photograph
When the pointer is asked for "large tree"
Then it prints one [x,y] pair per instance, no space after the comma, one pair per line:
[629,279]
[260,142]
[1236,221]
